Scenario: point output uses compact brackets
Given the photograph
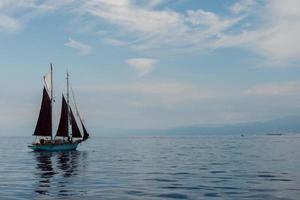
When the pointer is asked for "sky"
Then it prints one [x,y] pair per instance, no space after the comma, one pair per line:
[140,64]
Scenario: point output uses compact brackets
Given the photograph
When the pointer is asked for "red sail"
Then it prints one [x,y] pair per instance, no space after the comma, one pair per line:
[86,135]
[44,123]
[63,127]
[75,130]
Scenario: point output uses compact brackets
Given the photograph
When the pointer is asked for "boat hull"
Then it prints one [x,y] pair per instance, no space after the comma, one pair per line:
[54,147]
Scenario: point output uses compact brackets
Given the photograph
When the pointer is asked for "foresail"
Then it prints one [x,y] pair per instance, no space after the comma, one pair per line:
[44,123]
[75,130]
[86,135]
[63,127]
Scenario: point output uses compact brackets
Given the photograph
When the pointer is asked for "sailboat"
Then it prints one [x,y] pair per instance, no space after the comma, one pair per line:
[68,134]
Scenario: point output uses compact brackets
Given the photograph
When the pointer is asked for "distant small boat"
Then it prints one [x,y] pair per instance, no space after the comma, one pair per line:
[68,134]
[274,134]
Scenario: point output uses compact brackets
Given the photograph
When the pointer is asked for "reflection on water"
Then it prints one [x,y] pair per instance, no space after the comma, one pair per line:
[54,170]
[44,171]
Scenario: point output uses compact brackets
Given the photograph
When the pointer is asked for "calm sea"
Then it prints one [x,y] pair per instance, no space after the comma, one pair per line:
[206,167]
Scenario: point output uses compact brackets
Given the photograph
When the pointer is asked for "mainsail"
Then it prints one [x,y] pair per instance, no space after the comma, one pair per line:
[63,127]
[75,130]
[44,123]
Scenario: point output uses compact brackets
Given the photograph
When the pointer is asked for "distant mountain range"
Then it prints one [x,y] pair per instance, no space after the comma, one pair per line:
[289,124]
[284,125]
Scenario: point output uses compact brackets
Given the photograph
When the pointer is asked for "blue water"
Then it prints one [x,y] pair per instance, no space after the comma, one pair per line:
[206,167]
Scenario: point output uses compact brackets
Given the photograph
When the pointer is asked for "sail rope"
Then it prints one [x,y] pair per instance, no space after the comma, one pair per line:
[76,107]
[75,104]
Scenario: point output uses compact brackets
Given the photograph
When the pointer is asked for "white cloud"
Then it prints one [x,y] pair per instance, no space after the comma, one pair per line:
[8,9]
[142,65]
[115,42]
[276,39]
[8,5]
[50,5]
[275,89]
[115,2]
[213,21]
[196,30]
[153,3]
[14,14]
[282,44]
[9,24]
[163,104]
[157,94]
[132,17]
[160,29]
[83,49]
[242,6]
[141,25]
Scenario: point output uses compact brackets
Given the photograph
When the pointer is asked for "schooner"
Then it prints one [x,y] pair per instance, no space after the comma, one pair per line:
[68,134]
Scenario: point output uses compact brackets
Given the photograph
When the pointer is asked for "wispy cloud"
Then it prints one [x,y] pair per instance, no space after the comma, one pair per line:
[153,25]
[163,28]
[273,37]
[15,14]
[115,42]
[9,21]
[50,5]
[9,24]
[242,6]
[157,94]
[132,17]
[199,30]
[154,3]
[275,89]
[83,49]
[142,65]
[163,104]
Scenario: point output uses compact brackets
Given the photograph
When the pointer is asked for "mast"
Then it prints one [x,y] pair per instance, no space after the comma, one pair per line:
[68,101]
[51,68]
